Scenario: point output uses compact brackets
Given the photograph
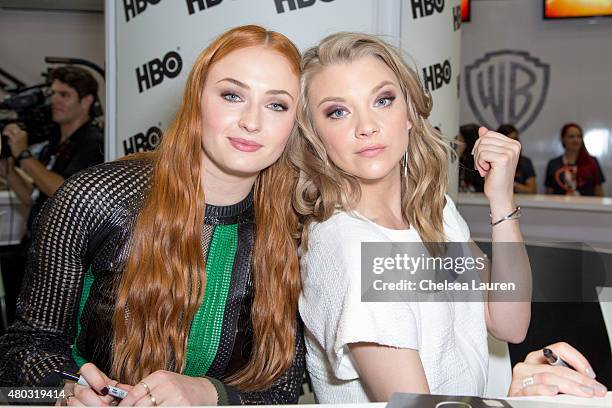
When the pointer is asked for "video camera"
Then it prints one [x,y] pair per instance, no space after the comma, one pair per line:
[31,110]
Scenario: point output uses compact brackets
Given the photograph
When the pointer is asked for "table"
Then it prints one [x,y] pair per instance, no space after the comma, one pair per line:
[547,218]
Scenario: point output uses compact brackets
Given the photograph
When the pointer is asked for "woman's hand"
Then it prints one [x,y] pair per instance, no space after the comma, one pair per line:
[168,388]
[495,158]
[95,394]
[536,377]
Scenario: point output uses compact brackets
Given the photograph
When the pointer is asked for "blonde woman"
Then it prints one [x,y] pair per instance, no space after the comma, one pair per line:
[372,168]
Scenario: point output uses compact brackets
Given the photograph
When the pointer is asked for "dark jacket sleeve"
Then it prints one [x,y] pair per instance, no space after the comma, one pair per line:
[529,170]
[286,390]
[45,324]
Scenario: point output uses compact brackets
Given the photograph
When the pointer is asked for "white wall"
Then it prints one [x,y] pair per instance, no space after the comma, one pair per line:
[163,30]
[579,53]
[438,62]
[27,37]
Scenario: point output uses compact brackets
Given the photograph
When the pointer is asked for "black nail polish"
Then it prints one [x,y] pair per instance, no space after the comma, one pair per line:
[104,391]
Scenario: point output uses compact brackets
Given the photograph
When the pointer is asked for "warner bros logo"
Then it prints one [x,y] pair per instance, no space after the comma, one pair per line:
[507,86]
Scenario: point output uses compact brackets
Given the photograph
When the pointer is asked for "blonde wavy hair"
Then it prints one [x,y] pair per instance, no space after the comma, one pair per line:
[322,187]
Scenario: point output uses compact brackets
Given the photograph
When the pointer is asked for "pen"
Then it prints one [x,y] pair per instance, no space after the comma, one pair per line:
[79,379]
[553,359]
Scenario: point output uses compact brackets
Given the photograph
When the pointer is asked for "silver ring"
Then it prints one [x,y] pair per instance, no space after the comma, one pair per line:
[144,384]
[528,381]
[67,399]
[153,399]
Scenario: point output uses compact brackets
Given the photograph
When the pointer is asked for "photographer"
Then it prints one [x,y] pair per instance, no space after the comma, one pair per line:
[78,145]
[75,145]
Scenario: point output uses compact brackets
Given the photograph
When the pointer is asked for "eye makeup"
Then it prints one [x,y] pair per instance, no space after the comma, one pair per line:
[388,96]
[332,111]
[278,107]
[231,97]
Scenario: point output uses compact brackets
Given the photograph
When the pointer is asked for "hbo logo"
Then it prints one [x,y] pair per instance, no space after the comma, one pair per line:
[153,72]
[135,7]
[141,142]
[292,4]
[437,75]
[425,8]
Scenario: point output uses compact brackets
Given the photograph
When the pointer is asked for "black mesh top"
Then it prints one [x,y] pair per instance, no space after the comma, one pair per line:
[84,230]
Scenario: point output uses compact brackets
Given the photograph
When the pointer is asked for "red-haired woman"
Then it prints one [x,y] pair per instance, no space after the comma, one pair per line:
[575,172]
[153,270]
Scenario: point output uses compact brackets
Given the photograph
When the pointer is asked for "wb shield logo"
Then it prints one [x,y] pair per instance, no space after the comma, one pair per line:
[507,86]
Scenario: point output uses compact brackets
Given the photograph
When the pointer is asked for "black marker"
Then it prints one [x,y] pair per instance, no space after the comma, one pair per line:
[553,359]
[79,379]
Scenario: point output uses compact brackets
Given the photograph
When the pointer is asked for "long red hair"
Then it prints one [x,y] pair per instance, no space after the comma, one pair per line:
[163,282]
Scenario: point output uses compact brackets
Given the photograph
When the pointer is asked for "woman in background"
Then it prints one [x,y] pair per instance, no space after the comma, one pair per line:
[175,272]
[524,178]
[575,172]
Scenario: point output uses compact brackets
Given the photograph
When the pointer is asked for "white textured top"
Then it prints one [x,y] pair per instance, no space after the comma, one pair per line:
[450,337]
